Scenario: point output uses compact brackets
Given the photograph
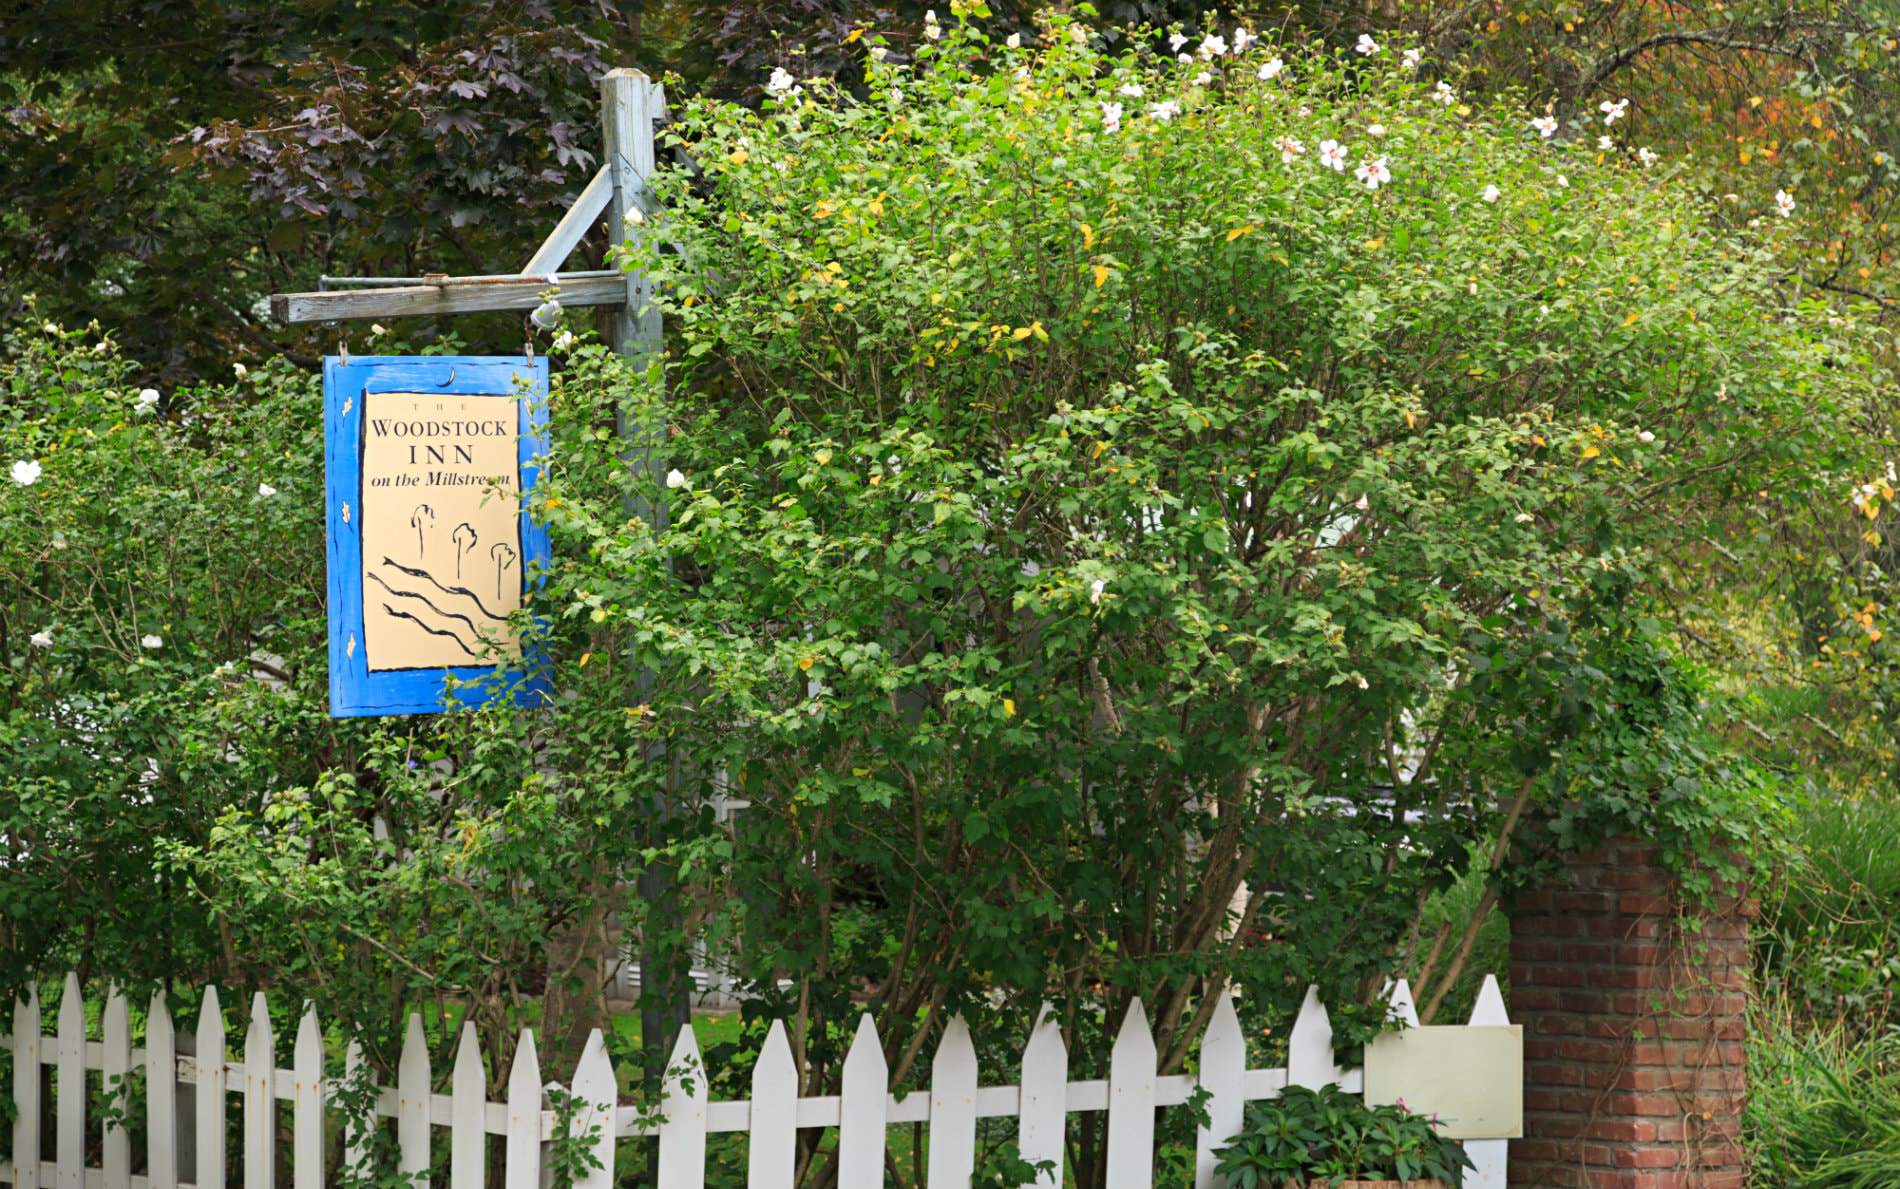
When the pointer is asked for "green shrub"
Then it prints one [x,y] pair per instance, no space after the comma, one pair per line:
[1824,1105]
[1317,1137]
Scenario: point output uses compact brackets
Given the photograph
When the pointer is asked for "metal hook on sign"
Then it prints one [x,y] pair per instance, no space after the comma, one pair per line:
[450,380]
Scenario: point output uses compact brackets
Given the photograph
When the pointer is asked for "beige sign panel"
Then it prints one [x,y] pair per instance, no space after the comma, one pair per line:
[441,525]
[1471,1076]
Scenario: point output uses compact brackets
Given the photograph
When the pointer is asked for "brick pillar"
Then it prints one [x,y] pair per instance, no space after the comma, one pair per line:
[1633,1028]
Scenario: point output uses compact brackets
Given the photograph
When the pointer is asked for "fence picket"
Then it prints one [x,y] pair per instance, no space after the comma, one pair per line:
[358,1130]
[1399,1005]
[1131,1103]
[260,1100]
[861,1118]
[1042,1117]
[1309,1047]
[953,1108]
[413,1086]
[683,1118]
[596,1095]
[306,1104]
[1223,1069]
[115,1072]
[26,1090]
[69,1131]
[522,1167]
[772,1151]
[468,1103]
[161,1094]
[1489,1157]
[209,1052]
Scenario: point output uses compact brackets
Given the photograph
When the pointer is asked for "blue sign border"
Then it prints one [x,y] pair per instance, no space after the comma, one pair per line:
[354,690]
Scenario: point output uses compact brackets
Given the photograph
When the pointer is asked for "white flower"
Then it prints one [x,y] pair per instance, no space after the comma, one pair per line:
[1271,68]
[1645,437]
[1364,503]
[51,328]
[1176,41]
[1289,148]
[930,25]
[1375,129]
[26,472]
[1647,157]
[897,96]
[1332,155]
[1242,39]
[1613,110]
[674,478]
[1213,45]
[1014,41]
[153,642]
[1164,111]
[1546,126]
[1443,95]
[1563,183]
[1411,58]
[1373,173]
[1523,518]
[1492,194]
[266,490]
[42,639]
[1111,117]
[240,370]
[1131,90]
[1079,35]
[878,52]
[1784,202]
[377,329]
[1184,57]
[781,82]
[1366,45]
[547,315]
[59,540]
[148,400]
[1605,143]
[1360,680]
[564,340]
[1203,78]
[1096,588]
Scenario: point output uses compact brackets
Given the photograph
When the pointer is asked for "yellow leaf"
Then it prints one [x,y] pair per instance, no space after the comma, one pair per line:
[853,36]
[805,663]
[1411,419]
[1754,101]
[1088,235]
[1633,315]
[1009,706]
[737,156]
[1237,232]
[876,479]
[1591,452]
[1021,333]
[1373,245]
[1101,275]
[585,657]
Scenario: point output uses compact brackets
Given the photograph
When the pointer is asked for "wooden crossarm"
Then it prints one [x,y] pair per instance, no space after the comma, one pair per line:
[452,296]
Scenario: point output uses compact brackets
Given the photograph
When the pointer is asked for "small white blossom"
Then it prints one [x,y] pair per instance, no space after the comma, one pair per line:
[148,400]
[1784,202]
[1365,45]
[1605,143]
[42,639]
[930,25]
[1373,173]
[152,642]
[240,370]
[1213,45]
[266,490]
[1270,69]
[1613,110]
[1164,111]
[1546,126]
[1359,679]
[676,479]
[1096,588]
[59,540]
[1111,117]
[1242,39]
[781,82]
[1184,57]
[1375,129]
[1646,156]
[1332,155]
[377,329]
[1131,90]
[1563,183]
[26,472]
[1203,78]
[1176,41]
[1014,41]
[51,328]
[1443,95]
[1491,194]
[879,53]
[1411,58]
[1523,518]
[1364,503]
[564,340]
[1645,437]
[1289,148]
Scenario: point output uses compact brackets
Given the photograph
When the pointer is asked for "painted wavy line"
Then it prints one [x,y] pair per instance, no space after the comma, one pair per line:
[464,591]
[432,631]
[425,601]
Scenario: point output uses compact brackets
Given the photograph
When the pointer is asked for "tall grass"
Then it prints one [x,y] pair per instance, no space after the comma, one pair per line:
[1824,1106]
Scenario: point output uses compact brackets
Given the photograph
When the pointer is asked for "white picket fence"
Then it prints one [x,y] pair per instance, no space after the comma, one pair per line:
[773,1116]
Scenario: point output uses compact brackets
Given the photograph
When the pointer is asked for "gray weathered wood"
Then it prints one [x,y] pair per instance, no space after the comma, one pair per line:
[408,301]
[630,105]
[566,236]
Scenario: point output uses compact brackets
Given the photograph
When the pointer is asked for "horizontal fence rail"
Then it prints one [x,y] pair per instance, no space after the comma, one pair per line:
[862,1110]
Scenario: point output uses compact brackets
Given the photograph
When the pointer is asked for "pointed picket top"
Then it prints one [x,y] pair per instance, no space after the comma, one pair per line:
[414,1081]
[306,1103]
[683,1116]
[1043,1113]
[468,1108]
[772,1151]
[115,1071]
[862,1110]
[1489,1006]
[1309,1048]
[597,1096]
[1400,1006]
[161,1095]
[209,1054]
[260,1101]
[953,1108]
[26,1090]
[1223,1070]
[69,1134]
[522,1168]
[1131,1103]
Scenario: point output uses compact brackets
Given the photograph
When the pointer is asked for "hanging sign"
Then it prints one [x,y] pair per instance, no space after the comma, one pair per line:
[428,462]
